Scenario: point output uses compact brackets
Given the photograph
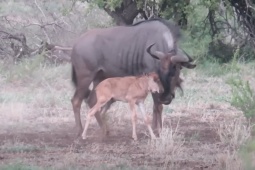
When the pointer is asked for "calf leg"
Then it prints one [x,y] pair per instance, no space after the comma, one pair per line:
[91,113]
[146,121]
[92,99]
[91,103]
[134,120]
[103,112]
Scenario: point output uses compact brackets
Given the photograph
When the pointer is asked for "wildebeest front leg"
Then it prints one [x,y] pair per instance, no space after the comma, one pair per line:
[146,121]
[76,102]
[157,114]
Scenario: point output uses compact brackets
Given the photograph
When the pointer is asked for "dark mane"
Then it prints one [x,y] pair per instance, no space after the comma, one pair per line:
[170,25]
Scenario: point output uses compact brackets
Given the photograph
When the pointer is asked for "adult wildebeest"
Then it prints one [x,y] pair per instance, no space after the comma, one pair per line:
[122,51]
[129,89]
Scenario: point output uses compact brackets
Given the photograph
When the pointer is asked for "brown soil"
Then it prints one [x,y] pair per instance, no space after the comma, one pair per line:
[58,148]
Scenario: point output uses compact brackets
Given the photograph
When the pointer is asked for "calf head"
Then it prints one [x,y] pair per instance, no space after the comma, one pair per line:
[154,83]
[169,71]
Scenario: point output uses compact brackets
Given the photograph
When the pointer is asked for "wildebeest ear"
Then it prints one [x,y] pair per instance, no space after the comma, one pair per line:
[188,65]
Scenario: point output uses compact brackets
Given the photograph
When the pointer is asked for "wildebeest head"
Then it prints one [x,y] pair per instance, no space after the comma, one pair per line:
[169,71]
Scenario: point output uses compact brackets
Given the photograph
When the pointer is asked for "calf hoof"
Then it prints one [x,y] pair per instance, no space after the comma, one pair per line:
[83,137]
[134,138]
[78,141]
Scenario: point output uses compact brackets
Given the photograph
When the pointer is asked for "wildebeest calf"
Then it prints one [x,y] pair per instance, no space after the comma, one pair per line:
[129,89]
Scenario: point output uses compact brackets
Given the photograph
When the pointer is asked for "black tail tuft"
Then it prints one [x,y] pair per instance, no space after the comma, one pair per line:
[74,78]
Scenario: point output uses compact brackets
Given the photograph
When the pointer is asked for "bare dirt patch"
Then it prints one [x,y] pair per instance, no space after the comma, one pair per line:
[58,148]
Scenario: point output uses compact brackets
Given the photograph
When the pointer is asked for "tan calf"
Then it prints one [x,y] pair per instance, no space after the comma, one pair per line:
[130,89]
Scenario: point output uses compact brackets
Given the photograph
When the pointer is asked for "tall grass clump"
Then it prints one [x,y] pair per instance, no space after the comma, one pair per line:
[243,98]
[168,147]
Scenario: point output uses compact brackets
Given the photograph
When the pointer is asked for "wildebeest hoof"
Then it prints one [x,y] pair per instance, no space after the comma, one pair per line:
[106,133]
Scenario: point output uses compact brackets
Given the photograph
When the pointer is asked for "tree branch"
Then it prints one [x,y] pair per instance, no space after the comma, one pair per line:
[40,9]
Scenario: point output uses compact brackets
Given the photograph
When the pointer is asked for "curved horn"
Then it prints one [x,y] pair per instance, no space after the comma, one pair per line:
[190,59]
[180,57]
[157,54]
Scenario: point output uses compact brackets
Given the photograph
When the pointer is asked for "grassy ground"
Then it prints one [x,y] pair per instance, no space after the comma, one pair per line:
[201,129]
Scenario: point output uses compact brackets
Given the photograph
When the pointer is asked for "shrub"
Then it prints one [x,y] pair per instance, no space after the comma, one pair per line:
[243,98]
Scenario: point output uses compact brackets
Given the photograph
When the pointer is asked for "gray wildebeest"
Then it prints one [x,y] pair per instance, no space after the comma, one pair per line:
[127,50]
[129,89]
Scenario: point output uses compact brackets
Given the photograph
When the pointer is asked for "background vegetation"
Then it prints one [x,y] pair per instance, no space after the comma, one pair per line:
[211,126]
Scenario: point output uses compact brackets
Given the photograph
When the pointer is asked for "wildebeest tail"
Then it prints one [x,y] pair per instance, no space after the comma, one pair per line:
[74,78]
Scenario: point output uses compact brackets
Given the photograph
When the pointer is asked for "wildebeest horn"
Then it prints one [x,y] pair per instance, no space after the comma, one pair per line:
[157,54]
[180,57]
[190,59]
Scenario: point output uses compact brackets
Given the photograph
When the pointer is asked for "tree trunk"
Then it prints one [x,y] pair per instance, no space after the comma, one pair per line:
[125,14]
[244,11]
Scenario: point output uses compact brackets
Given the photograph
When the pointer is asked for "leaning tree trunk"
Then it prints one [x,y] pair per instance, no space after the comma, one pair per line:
[125,14]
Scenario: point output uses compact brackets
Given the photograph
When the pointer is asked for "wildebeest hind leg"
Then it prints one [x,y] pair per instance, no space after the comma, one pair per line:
[79,94]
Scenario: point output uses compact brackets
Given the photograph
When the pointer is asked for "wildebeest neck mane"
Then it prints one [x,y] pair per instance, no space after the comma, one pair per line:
[170,25]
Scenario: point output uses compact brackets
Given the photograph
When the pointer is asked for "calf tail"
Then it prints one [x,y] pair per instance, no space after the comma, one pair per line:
[74,78]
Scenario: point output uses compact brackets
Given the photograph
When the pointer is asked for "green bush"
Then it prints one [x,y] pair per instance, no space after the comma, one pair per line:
[243,97]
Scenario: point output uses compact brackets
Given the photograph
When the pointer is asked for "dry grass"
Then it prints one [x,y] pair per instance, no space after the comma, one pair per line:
[234,132]
[201,129]
[168,147]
